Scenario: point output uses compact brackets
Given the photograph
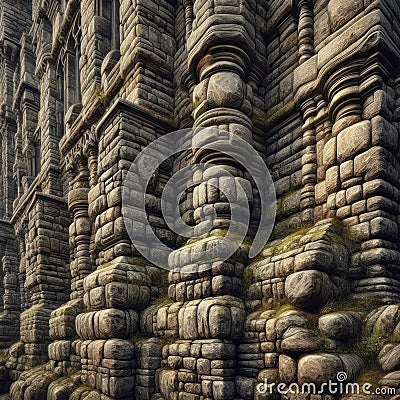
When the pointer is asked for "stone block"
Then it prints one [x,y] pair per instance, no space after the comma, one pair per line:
[340,11]
[313,289]
[353,140]
[107,324]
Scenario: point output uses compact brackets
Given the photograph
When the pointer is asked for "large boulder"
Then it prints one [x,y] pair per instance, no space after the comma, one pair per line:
[340,325]
[313,289]
[389,357]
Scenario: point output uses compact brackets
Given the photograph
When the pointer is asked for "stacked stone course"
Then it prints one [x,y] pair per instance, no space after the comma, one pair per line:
[85,86]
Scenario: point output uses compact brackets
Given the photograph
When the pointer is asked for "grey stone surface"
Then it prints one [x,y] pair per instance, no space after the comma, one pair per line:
[342,325]
[85,85]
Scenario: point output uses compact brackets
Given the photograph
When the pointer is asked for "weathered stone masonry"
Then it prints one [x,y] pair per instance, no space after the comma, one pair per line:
[312,85]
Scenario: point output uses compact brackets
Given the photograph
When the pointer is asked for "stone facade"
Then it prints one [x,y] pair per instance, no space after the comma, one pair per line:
[312,85]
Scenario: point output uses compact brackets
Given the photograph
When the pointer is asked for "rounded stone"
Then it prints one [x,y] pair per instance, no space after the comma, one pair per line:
[308,289]
[342,11]
[225,89]
[287,369]
[340,325]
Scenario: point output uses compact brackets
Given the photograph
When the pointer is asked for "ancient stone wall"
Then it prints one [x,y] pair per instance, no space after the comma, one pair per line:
[312,85]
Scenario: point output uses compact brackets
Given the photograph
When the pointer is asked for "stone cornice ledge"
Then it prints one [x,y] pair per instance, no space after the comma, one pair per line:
[94,110]
[134,110]
[28,198]
[22,87]
[367,35]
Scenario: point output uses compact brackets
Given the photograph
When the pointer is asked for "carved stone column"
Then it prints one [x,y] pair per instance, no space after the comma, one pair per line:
[8,128]
[24,298]
[305,29]
[80,229]
[361,175]
[9,320]
[93,179]
[309,161]
[121,286]
[211,314]
[10,308]
[62,352]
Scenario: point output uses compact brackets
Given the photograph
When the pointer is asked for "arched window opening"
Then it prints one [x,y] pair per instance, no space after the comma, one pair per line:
[115,25]
[110,11]
[37,163]
[60,101]
[72,81]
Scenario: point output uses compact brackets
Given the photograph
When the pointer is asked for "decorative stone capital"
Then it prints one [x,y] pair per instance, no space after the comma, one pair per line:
[224,46]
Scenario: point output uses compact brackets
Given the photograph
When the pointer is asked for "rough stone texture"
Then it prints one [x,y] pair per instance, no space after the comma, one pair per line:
[85,85]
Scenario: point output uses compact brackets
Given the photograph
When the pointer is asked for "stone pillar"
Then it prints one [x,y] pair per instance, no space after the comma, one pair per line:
[10,284]
[49,140]
[362,175]
[10,310]
[309,163]
[24,296]
[62,352]
[211,314]
[80,230]
[121,286]
[323,129]
[9,320]
[93,179]
[7,131]
[95,44]
[305,29]
[46,277]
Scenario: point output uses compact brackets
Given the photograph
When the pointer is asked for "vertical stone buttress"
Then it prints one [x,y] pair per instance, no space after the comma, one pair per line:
[8,61]
[47,277]
[13,22]
[363,140]
[62,351]
[10,305]
[221,43]
[41,214]
[121,286]
[345,94]
[9,302]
